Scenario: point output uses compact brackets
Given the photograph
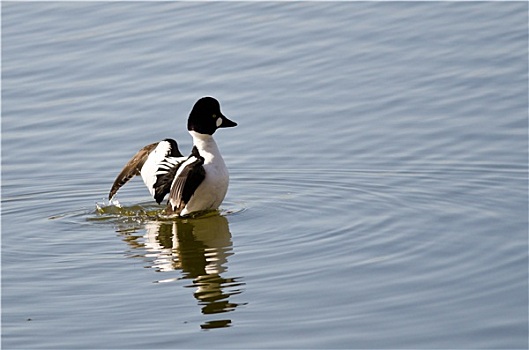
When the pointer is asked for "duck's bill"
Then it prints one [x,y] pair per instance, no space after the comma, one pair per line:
[226,123]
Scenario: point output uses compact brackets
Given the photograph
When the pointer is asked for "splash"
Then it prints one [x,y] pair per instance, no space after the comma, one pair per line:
[138,213]
[149,211]
[113,209]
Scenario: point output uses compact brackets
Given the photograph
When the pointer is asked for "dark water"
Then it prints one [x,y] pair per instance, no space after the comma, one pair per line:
[378,194]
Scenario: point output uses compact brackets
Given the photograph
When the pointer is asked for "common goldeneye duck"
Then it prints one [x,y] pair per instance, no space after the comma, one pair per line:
[194,183]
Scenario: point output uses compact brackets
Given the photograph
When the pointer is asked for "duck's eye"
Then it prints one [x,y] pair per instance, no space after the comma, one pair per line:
[214,116]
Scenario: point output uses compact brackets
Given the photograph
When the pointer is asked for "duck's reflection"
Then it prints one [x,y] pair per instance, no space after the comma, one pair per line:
[199,248]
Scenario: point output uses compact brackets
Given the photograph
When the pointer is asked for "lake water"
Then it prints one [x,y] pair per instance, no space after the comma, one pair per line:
[379,180]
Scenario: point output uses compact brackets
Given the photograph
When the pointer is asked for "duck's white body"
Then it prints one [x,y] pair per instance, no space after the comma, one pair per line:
[211,192]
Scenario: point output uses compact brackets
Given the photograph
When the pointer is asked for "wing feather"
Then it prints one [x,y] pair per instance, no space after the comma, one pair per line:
[189,176]
[165,176]
[131,169]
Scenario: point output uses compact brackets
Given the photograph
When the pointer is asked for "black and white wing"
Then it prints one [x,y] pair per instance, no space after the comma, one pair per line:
[188,177]
[151,162]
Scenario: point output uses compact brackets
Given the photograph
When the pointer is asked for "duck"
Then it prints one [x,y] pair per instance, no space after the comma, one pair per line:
[195,183]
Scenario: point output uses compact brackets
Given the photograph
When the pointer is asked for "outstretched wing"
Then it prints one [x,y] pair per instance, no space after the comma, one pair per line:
[131,169]
[146,163]
[189,176]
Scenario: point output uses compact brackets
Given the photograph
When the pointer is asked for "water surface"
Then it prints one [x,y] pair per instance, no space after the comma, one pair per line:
[378,194]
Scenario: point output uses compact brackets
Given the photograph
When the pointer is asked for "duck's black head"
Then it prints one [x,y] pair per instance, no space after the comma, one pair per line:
[206,117]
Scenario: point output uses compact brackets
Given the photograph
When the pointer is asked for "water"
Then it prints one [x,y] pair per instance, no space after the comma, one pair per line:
[378,194]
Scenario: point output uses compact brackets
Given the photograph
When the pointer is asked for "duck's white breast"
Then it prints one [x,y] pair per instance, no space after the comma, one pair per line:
[211,192]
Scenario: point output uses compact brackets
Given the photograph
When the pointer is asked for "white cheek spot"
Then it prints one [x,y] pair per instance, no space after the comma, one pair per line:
[219,122]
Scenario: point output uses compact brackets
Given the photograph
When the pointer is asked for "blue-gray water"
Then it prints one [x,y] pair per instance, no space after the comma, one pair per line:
[378,194]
